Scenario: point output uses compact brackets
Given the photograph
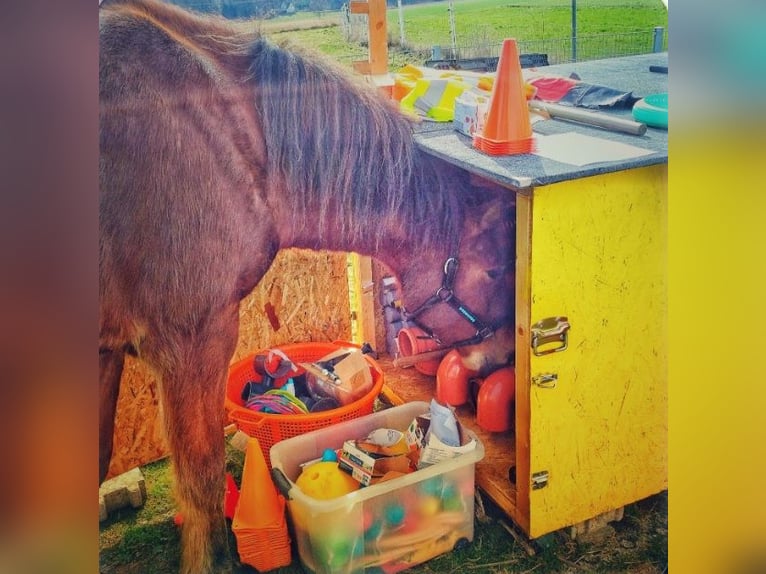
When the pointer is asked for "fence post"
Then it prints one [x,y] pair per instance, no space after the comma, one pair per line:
[401,23]
[574,30]
[453,35]
[659,33]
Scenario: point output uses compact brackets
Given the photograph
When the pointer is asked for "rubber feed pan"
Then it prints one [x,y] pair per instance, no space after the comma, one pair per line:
[652,110]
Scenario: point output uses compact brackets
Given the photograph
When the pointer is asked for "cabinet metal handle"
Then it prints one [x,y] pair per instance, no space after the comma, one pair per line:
[550,330]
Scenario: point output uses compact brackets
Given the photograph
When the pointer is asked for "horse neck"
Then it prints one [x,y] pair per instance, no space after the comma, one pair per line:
[425,225]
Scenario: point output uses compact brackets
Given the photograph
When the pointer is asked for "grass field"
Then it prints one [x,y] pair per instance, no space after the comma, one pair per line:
[538,25]
[146,541]
[427,24]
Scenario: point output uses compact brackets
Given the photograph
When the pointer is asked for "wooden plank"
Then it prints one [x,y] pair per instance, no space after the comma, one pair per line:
[492,472]
[367,300]
[378,37]
[523,344]
[377,61]
[361,67]
[359,7]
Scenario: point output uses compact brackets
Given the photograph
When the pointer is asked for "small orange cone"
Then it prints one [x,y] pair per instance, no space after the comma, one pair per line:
[259,523]
[507,129]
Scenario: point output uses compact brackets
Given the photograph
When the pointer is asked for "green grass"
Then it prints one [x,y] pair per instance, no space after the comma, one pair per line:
[525,20]
[483,22]
[146,541]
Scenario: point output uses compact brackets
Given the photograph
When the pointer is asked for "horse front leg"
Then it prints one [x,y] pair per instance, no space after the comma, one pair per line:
[110,364]
[193,404]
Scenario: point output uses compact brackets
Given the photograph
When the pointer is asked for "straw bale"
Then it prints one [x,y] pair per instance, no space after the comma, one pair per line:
[303,297]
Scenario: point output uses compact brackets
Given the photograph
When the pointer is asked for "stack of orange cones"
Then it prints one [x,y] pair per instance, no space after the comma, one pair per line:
[507,129]
[259,524]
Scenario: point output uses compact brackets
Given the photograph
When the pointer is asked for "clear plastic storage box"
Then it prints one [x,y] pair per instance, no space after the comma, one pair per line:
[386,527]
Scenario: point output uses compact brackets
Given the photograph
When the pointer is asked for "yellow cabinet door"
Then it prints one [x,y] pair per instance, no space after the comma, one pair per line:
[594,252]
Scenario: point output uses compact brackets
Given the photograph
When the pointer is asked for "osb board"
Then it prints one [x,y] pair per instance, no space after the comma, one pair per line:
[492,472]
[303,297]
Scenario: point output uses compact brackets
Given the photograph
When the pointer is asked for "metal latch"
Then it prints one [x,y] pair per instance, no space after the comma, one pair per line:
[545,380]
[550,330]
[539,479]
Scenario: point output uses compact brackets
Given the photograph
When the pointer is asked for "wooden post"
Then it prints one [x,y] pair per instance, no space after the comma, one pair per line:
[362,299]
[377,62]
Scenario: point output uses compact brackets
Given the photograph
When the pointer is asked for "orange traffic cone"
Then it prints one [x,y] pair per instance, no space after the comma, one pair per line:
[507,129]
[259,523]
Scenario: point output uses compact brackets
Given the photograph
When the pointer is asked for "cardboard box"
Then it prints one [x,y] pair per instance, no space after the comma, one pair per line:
[369,469]
[347,380]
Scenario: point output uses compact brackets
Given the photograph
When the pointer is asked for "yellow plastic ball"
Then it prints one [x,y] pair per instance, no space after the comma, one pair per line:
[324,480]
[429,505]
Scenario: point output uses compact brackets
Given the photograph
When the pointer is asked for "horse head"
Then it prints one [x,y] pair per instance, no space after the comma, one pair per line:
[466,298]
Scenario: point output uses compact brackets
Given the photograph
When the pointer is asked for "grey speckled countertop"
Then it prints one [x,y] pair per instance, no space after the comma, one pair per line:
[522,172]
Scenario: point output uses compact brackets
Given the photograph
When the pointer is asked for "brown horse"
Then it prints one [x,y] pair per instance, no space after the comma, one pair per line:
[218,149]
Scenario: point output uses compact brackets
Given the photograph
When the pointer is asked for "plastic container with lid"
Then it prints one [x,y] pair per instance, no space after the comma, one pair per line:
[392,525]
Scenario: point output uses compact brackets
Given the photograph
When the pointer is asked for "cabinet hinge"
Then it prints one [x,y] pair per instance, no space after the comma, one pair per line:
[539,479]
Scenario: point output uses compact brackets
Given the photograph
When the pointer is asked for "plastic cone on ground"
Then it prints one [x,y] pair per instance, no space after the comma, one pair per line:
[259,523]
[507,129]
[259,502]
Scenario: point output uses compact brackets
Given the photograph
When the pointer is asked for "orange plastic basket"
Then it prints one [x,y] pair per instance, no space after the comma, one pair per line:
[271,428]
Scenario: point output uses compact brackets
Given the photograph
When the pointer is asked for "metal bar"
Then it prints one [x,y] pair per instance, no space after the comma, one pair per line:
[598,119]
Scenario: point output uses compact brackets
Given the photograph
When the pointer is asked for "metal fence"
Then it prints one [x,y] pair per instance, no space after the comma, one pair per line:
[552,51]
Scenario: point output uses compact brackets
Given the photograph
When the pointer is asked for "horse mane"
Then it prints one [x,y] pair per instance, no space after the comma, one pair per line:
[345,153]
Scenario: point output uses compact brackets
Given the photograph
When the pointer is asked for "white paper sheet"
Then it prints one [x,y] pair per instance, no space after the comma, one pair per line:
[578,149]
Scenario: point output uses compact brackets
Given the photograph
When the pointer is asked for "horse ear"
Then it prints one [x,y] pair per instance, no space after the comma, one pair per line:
[496,211]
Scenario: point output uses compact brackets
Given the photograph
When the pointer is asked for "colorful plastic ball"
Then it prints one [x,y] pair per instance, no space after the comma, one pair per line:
[373,530]
[432,487]
[452,504]
[394,515]
[449,490]
[324,480]
[410,524]
[335,549]
[329,455]
[368,519]
[429,505]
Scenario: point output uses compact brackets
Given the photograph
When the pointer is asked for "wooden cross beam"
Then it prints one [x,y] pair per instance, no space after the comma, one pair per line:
[377,62]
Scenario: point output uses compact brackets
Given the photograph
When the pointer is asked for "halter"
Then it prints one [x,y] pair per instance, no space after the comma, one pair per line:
[445,294]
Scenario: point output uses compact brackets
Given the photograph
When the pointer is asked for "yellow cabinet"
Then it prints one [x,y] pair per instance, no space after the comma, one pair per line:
[591,404]
[591,319]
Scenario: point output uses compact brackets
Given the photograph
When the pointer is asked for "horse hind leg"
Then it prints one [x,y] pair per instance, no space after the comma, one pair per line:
[110,363]
[193,389]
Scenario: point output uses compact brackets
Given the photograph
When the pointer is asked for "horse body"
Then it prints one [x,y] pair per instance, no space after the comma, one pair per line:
[218,149]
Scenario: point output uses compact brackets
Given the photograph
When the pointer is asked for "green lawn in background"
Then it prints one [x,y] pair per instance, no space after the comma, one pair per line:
[480,21]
